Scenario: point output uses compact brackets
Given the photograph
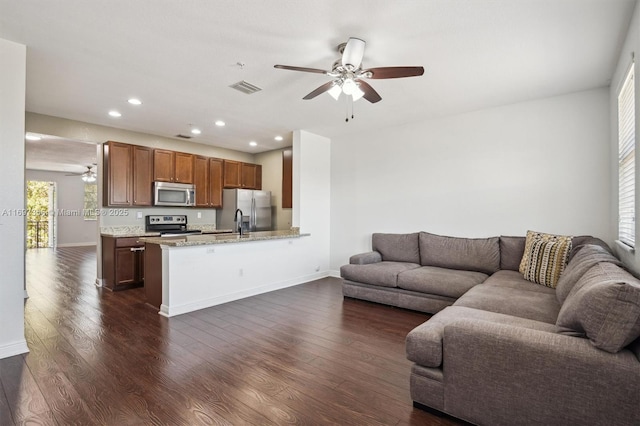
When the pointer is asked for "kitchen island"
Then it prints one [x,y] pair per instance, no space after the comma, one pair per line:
[187,273]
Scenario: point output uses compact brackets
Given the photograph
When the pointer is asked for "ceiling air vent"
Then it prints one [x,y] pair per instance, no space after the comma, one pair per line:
[245,87]
[183,136]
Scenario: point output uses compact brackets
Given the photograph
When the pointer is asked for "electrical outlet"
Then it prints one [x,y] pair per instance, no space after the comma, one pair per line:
[241,272]
[211,250]
[139,215]
[199,215]
[317,269]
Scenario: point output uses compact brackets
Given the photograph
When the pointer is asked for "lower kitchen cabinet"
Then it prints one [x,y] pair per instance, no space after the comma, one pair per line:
[122,262]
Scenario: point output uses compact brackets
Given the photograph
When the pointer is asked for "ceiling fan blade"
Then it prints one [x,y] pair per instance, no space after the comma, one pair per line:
[288,67]
[320,90]
[369,92]
[395,72]
[353,53]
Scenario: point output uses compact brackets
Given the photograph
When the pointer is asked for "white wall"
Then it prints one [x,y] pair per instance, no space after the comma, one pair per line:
[540,165]
[12,198]
[271,162]
[312,191]
[632,45]
[72,230]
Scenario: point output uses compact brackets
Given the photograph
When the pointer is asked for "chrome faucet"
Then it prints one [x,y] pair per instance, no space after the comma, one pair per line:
[235,219]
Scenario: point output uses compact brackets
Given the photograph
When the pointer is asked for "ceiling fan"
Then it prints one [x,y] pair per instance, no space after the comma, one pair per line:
[348,74]
[87,176]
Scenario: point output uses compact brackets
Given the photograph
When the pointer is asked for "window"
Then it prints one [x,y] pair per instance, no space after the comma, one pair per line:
[90,211]
[626,161]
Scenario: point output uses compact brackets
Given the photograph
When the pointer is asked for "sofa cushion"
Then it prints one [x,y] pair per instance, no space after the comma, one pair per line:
[440,281]
[545,257]
[511,251]
[603,305]
[424,343]
[383,273]
[534,305]
[584,259]
[514,279]
[397,247]
[578,242]
[467,254]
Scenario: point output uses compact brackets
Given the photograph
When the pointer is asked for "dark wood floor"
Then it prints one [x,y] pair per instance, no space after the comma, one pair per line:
[302,355]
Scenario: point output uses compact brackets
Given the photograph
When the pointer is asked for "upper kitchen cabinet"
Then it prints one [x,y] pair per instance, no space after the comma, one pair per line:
[249,176]
[242,175]
[128,178]
[142,175]
[216,178]
[171,166]
[201,180]
[118,174]
[232,176]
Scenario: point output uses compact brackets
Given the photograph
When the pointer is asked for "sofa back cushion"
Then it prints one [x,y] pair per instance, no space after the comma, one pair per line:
[511,251]
[468,254]
[578,242]
[604,305]
[397,247]
[582,261]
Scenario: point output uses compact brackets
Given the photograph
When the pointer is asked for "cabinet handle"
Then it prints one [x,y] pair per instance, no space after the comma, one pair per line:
[137,249]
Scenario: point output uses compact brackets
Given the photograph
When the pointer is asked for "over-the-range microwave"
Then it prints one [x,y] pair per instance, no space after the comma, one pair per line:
[174,194]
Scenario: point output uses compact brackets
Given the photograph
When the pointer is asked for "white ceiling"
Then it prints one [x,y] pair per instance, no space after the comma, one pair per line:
[59,154]
[179,57]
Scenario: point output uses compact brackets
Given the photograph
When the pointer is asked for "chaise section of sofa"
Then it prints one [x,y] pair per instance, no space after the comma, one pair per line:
[515,352]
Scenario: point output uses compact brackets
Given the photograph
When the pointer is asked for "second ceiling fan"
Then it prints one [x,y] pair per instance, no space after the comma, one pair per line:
[348,75]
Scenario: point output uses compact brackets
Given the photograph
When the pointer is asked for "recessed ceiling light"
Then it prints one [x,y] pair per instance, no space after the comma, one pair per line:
[253,143]
[196,131]
[115,114]
[220,123]
[135,101]
[278,138]
[32,137]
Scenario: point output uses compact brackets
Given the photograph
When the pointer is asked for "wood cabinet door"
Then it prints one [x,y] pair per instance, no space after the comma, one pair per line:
[232,177]
[117,158]
[258,177]
[216,178]
[163,165]
[183,163]
[201,179]
[142,176]
[248,173]
[126,263]
[287,179]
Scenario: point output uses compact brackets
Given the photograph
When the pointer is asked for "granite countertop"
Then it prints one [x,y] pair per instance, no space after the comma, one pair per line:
[138,231]
[205,239]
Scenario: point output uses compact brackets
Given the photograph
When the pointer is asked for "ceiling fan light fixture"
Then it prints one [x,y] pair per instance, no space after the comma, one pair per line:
[349,87]
[335,91]
[357,93]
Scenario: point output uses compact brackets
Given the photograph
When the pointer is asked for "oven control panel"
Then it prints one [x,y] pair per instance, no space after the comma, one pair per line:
[166,220]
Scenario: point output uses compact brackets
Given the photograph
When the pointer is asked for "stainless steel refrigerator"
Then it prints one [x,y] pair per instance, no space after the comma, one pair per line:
[255,206]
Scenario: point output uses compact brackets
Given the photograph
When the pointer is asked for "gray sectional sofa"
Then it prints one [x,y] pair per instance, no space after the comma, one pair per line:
[501,350]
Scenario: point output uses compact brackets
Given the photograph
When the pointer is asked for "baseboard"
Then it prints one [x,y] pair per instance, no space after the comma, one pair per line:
[99,282]
[26,295]
[167,311]
[13,349]
[75,245]
[334,274]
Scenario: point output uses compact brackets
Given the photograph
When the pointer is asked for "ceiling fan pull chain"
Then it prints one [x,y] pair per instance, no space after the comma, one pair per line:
[346,108]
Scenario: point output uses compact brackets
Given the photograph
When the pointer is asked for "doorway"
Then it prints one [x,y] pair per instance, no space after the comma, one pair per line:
[41,214]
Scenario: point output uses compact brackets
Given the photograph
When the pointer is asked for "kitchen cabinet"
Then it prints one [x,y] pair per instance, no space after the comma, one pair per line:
[248,173]
[127,175]
[117,174]
[216,179]
[201,180]
[142,174]
[172,166]
[232,177]
[287,179]
[122,262]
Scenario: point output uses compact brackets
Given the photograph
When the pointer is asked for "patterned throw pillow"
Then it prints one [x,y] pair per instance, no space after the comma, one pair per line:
[545,257]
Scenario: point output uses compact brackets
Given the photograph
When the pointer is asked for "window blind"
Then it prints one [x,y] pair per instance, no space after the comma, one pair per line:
[626,161]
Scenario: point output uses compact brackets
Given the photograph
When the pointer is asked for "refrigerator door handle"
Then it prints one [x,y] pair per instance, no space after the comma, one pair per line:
[252,220]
